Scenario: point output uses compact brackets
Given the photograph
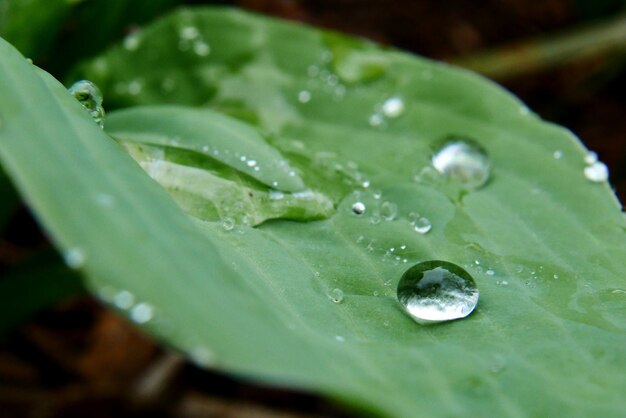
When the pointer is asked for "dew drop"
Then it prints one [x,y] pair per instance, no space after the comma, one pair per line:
[422,225]
[201,356]
[464,161]
[591,157]
[189,33]
[74,258]
[340,338]
[88,94]
[490,272]
[558,154]
[393,107]
[304,96]
[201,48]
[228,223]
[358,208]
[597,172]
[132,41]
[336,295]
[376,119]
[124,299]
[436,291]
[142,313]
[388,210]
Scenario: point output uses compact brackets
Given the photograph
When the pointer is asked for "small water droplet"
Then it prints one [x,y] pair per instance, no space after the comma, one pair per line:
[132,41]
[336,295]
[189,33]
[502,283]
[142,313]
[304,96]
[358,208]
[251,163]
[591,157]
[464,161]
[376,293]
[436,291]
[558,154]
[201,356]
[313,71]
[393,107]
[378,194]
[88,94]
[74,258]
[376,119]
[124,299]
[201,48]
[597,172]
[422,225]
[490,272]
[228,223]
[365,184]
[340,338]
[388,210]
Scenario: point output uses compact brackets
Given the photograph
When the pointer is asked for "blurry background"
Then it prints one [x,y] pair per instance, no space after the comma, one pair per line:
[63,355]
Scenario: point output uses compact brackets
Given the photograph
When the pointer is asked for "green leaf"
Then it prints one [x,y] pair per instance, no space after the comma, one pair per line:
[544,244]
[8,198]
[32,25]
[203,131]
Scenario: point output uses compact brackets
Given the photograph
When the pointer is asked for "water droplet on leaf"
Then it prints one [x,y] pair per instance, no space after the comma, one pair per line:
[436,291]
[597,172]
[142,313]
[124,299]
[88,94]
[74,258]
[464,161]
[336,295]
[393,107]
[358,208]
[304,96]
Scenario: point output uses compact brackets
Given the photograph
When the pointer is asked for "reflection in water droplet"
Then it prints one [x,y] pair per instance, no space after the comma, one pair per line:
[436,291]
[358,208]
[142,313]
[88,94]
[464,161]
[74,258]
[597,172]
[336,295]
[393,107]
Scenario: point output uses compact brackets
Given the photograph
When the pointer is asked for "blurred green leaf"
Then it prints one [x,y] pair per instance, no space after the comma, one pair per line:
[32,25]
[545,245]
[8,198]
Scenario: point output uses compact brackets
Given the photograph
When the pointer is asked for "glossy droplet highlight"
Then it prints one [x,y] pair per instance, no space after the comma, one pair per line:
[464,161]
[393,107]
[437,291]
[358,208]
[336,295]
[88,94]
[597,172]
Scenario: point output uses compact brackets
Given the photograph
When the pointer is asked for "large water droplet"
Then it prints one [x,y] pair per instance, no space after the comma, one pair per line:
[436,291]
[464,161]
[88,94]
[597,172]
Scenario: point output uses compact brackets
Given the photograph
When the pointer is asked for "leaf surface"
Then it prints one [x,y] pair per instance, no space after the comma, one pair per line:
[545,245]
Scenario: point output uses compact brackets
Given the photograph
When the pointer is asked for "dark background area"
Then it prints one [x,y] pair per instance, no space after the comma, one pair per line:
[76,359]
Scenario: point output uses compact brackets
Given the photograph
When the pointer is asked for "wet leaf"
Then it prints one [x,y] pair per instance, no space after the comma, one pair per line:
[545,246]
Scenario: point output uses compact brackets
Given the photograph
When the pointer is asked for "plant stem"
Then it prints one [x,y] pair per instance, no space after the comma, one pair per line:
[536,55]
